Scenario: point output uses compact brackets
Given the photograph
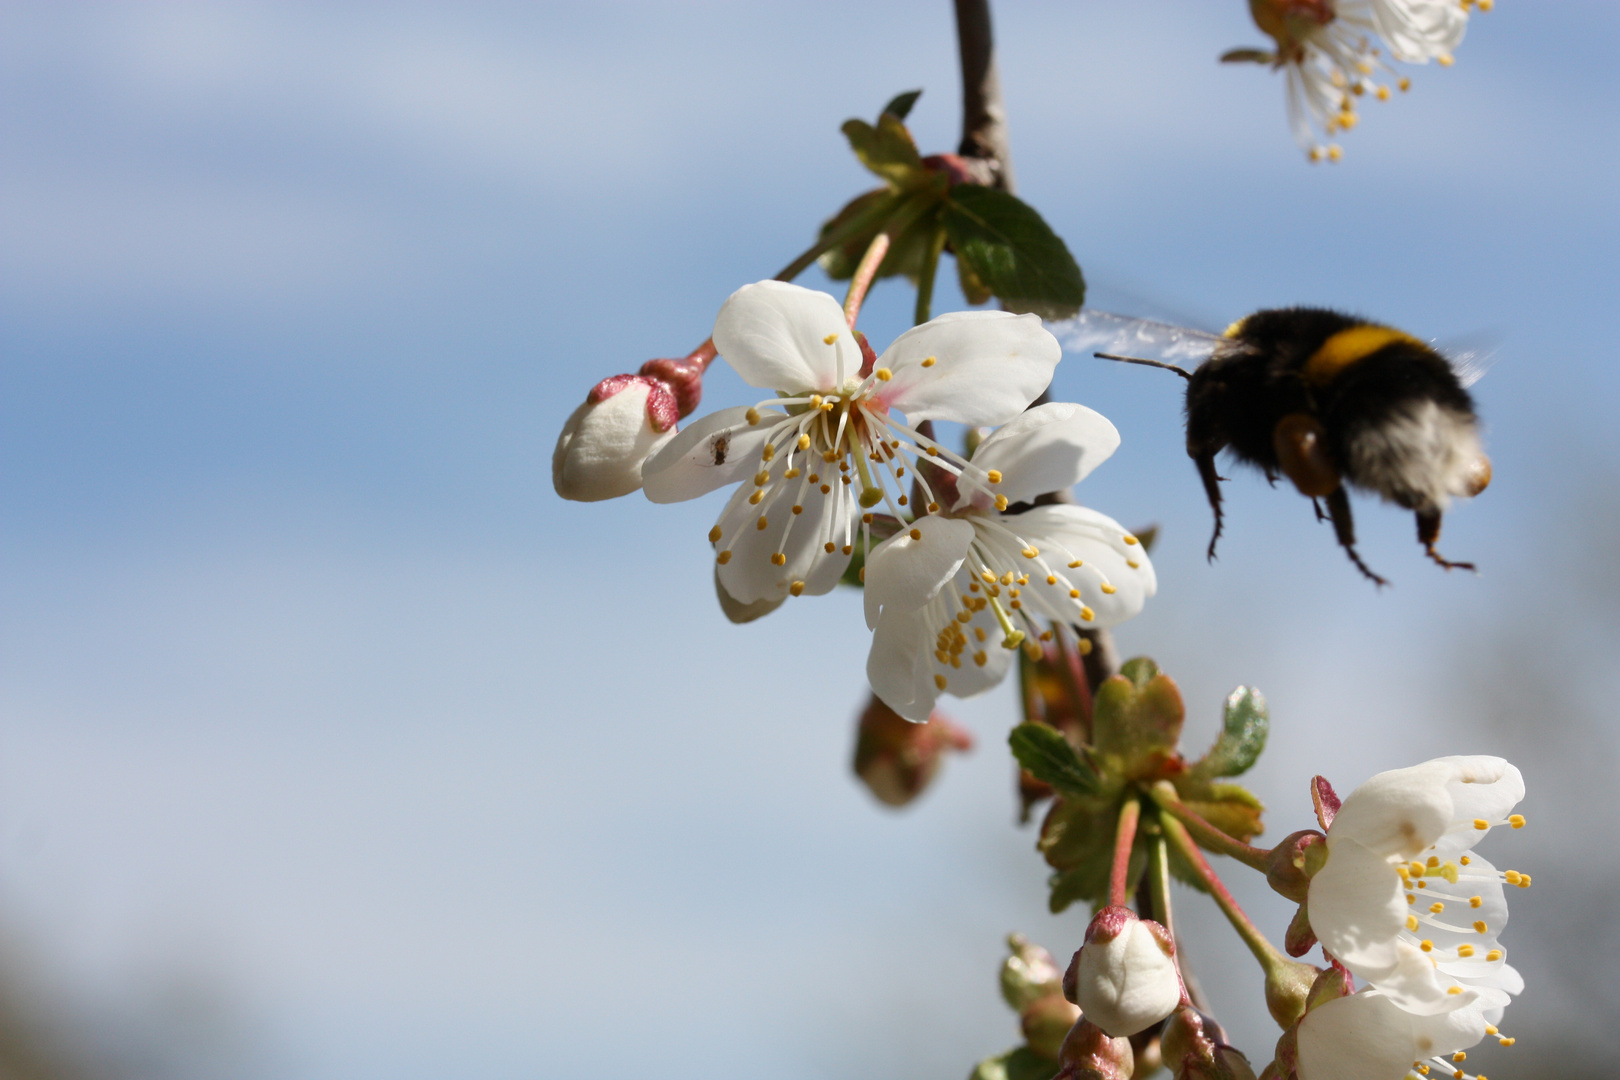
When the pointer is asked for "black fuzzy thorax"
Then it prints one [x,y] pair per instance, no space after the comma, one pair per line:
[1235,399]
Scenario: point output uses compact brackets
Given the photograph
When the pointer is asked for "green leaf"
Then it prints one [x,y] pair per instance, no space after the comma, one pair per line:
[887,149]
[1011,249]
[900,105]
[908,250]
[1242,738]
[1049,758]
[1020,1064]
[1136,719]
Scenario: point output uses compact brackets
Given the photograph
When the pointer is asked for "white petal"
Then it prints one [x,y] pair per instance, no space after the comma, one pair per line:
[1049,448]
[1127,984]
[1482,787]
[1367,1037]
[1358,907]
[739,612]
[775,336]
[899,666]
[1062,534]
[602,446]
[1416,985]
[905,573]
[987,367]
[719,449]
[1399,812]
[750,574]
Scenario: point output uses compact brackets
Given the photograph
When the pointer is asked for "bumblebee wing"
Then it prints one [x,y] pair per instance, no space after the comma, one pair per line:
[1098,331]
[1470,359]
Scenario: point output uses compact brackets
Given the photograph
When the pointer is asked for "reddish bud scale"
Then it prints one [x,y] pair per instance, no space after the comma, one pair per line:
[683,377]
[662,408]
[868,356]
[1325,799]
[1286,871]
[953,166]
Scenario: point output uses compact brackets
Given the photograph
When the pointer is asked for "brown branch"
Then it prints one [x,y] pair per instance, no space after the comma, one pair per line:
[984,116]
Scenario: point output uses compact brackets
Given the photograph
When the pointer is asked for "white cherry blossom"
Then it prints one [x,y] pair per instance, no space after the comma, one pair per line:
[953,594]
[817,459]
[1127,979]
[1366,1036]
[1405,903]
[1334,51]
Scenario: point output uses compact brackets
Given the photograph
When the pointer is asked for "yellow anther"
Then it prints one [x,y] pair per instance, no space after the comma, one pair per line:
[1486,5]
[866,519]
[1436,908]
[989,576]
[928,361]
[714,535]
[939,681]
[1415,869]
[798,510]
[814,478]
[752,416]
[1001,502]
[883,374]
[1133,565]
[1434,861]
[1084,647]
[804,442]
[1517,821]
[827,406]
[1315,154]
[792,474]
[723,558]
[1107,589]
[1051,579]
[797,588]
[980,657]
[964,617]
[755,498]
[903,500]
[1412,923]
[1475,901]
[979,634]
[1032,650]
[1074,594]
[1454,990]
[1446,59]
[1014,593]
[1007,578]
[956,661]
[826,489]
[1524,881]
[1426,945]
[1511,877]
[1465,951]
[933,508]
[1461,1055]
[1030,552]
[829,456]
[1129,539]
[768,454]
[1016,605]
[1490,1029]
[1481,824]
[1405,84]
[762,478]
[848,548]
[1505,1041]
[1086,615]
[1423,884]
[829,339]
[1347,120]
[1410,898]
[916,534]
[1077,564]
[1335,152]
[1464,860]
[862,575]
[973,586]
[778,559]
[1480,927]
[829,547]
[761,523]
[1382,92]
[1046,635]
[994,476]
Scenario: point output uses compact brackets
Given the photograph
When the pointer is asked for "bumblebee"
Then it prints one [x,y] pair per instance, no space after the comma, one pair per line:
[1325,399]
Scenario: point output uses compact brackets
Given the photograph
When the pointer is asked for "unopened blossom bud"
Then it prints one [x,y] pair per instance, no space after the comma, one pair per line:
[1046,1023]
[1195,1048]
[623,420]
[896,759]
[1089,1053]
[1287,986]
[1293,861]
[1029,974]
[1124,976]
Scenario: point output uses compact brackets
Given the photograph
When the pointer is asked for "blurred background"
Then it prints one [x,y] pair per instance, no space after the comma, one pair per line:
[334,745]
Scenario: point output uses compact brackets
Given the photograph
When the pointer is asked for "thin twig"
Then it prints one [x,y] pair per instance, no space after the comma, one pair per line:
[984,116]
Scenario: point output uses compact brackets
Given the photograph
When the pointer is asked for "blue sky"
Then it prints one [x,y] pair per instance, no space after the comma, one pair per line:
[319,708]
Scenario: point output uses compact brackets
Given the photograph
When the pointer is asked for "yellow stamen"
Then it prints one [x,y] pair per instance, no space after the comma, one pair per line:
[916,534]
[994,476]
[723,558]
[714,535]
[883,374]
[928,361]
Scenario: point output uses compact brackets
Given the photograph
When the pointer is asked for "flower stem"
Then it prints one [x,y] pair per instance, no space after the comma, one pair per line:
[925,280]
[864,275]
[1164,793]
[856,225]
[1264,951]
[1129,815]
[703,355]
[1159,882]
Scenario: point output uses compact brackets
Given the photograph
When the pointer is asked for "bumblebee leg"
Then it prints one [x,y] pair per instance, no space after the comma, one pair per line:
[1428,525]
[1212,489]
[1344,527]
[1316,504]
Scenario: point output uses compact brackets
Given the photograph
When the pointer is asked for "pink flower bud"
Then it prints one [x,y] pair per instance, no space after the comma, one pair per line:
[896,758]
[604,442]
[1125,975]
[1089,1053]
